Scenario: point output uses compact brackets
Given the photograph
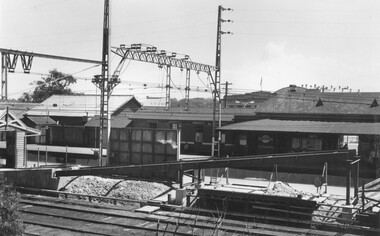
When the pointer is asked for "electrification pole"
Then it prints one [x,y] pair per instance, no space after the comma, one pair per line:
[216,91]
[217,105]
[105,84]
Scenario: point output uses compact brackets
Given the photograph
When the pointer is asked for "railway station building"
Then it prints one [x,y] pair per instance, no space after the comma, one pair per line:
[299,120]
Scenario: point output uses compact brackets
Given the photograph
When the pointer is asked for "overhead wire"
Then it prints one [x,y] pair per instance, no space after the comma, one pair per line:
[56,79]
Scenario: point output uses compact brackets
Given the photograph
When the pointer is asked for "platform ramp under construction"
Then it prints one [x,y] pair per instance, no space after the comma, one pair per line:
[306,162]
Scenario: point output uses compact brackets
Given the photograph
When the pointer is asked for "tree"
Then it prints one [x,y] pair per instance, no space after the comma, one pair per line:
[10,223]
[55,83]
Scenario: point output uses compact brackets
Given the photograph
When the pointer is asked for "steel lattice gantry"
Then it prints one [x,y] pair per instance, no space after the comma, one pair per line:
[10,57]
[163,59]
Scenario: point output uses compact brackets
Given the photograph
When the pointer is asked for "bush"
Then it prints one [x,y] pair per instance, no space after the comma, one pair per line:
[10,223]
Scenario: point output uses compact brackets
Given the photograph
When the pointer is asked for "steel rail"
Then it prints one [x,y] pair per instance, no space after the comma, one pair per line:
[187,222]
[98,222]
[184,213]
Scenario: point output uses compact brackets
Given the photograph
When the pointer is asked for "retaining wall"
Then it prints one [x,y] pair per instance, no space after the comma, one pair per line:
[32,178]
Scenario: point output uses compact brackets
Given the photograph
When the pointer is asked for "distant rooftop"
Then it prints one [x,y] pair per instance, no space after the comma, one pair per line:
[76,105]
[17,108]
[313,101]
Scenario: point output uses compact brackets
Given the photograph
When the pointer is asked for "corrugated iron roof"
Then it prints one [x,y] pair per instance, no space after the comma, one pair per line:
[196,114]
[116,122]
[76,105]
[42,120]
[17,108]
[176,116]
[353,128]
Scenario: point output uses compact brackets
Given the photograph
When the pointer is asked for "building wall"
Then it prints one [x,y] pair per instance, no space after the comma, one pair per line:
[196,136]
[20,149]
[142,146]
[243,143]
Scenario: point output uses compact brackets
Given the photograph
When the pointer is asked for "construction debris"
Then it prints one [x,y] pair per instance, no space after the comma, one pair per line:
[279,188]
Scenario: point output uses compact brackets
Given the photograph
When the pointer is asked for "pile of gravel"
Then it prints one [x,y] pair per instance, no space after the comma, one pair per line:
[118,188]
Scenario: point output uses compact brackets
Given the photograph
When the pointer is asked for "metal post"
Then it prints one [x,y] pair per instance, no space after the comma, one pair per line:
[188,200]
[180,178]
[363,196]
[66,156]
[187,89]
[46,156]
[168,86]
[4,76]
[275,173]
[38,157]
[348,182]
[199,176]
[25,153]
[326,183]
[178,142]
[356,179]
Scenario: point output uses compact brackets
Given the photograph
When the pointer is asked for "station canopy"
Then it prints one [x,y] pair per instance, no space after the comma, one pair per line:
[9,121]
[301,126]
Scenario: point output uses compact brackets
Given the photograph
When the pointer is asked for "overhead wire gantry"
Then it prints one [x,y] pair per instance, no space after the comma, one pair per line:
[162,58]
[10,57]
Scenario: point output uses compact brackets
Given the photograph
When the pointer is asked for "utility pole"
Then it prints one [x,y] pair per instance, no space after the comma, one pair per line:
[216,91]
[226,93]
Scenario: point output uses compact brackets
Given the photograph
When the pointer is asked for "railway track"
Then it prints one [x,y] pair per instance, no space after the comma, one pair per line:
[52,216]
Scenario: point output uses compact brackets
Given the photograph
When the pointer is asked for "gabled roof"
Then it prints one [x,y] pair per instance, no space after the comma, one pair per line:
[77,105]
[9,120]
[302,126]
[332,103]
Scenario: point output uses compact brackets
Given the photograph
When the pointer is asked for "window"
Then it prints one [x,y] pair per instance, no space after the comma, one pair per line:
[174,126]
[242,140]
[153,125]
[198,133]
[306,144]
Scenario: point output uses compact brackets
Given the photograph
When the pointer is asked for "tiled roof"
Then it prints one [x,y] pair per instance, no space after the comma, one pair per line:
[76,105]
[333,103]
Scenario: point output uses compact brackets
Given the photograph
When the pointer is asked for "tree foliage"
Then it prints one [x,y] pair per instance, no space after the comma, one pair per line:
[55,83]
[193,102]
[10,223]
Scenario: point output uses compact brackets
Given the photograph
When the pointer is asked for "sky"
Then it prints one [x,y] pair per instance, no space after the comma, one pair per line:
[275,43]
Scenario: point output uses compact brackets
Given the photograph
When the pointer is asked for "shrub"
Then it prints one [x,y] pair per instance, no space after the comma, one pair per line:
[10,223]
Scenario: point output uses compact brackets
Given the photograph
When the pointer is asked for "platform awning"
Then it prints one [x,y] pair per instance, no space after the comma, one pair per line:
[298,126]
